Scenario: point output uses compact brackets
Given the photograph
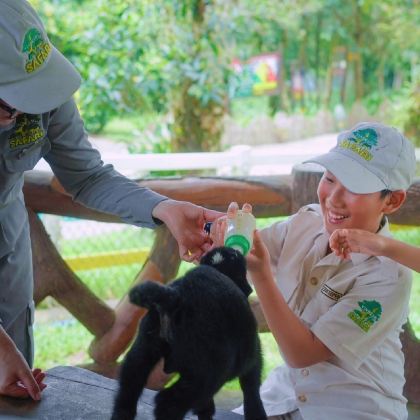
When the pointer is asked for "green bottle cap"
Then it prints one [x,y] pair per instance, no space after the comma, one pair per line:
[238,242]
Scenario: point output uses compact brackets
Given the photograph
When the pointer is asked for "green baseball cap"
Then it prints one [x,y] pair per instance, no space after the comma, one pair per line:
[34,76]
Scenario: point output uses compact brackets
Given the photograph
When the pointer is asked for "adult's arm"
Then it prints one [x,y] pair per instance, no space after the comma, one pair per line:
[80,169]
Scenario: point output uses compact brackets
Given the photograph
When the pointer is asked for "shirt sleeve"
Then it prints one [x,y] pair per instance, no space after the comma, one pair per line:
[81,171]
[375,307]
[273,238]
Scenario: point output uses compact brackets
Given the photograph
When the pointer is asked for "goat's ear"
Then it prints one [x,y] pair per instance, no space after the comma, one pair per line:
[248,289]
[134,294]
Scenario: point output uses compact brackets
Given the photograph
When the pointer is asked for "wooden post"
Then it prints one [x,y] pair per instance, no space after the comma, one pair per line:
[304,185]
[53,277]
[411,348]
[161,266]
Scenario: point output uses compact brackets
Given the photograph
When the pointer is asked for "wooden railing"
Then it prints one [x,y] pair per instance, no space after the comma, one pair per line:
[114,329]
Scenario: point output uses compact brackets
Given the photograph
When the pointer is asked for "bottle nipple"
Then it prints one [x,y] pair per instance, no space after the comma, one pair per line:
[232,210]
[247,208]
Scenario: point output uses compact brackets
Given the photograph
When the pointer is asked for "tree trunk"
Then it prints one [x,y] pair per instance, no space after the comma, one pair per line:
[197,124]
[196,127]
[358,58]
[317,57]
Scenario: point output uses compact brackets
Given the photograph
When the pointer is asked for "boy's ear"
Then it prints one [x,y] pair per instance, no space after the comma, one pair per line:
[394,201]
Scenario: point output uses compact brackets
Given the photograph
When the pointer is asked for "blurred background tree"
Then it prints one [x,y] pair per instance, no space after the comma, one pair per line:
[172,57]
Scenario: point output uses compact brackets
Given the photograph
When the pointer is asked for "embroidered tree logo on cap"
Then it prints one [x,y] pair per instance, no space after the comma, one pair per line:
[361,142]
[371,311]
[37,49]
[366,137]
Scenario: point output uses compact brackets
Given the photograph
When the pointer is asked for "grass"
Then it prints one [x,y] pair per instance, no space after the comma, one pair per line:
[61,343]
[66,342]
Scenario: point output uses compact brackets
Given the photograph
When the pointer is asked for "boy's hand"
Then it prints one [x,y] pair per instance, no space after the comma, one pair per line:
[218,227]
[217,232]
[258,260]
[345,241]
[16,378]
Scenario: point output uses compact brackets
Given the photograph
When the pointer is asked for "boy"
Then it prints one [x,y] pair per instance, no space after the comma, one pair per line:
[345,241]
[337,322]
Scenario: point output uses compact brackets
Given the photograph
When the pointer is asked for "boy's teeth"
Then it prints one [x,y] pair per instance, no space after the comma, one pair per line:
[336,217]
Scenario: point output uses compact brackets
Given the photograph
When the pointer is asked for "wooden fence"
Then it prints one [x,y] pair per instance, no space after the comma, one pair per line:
[114,329]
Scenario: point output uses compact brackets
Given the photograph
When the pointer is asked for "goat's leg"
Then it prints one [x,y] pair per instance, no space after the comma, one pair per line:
[205,410]
[138,363]
[174,402]
[250,385]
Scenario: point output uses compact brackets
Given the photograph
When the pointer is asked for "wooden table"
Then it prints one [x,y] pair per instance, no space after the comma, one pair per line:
[79,394]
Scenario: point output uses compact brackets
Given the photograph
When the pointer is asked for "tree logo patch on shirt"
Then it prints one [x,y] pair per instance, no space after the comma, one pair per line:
[37,48]
[361,142]
[27,131]
[369,313]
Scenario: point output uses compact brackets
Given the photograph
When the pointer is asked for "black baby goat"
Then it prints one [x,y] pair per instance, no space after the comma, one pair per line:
[203,327]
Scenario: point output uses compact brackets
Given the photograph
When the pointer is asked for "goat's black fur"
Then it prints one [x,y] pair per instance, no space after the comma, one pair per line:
[203,327]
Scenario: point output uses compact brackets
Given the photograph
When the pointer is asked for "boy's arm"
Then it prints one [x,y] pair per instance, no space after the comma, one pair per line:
[298,344]
[345,241]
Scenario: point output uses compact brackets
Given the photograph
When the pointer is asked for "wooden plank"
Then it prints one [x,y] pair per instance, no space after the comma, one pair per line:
[271,196]
[75,393]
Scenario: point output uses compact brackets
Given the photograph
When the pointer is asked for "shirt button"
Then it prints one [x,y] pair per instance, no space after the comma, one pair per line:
[302,398]
[304,372]
[314,281]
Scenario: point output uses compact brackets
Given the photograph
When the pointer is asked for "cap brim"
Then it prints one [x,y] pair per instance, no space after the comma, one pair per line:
[46,89]
[350,173]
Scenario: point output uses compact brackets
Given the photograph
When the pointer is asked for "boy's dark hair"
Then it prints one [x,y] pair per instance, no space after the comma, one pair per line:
[385,193]
[204,328]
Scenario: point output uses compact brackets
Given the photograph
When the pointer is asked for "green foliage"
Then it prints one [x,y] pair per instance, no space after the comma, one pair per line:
[412,120]
[164,55]
[405,111]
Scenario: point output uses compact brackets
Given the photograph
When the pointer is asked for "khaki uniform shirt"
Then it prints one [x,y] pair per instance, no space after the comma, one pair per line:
[356,308]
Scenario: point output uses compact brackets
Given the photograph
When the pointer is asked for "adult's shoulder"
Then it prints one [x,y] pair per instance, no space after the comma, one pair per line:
[68,107]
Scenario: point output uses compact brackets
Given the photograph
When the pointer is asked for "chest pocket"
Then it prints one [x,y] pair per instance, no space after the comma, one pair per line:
[26,158]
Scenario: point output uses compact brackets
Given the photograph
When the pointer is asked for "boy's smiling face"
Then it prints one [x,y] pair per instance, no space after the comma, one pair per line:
[343,209]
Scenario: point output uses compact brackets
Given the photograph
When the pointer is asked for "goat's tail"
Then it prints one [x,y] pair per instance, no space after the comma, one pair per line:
[152,293]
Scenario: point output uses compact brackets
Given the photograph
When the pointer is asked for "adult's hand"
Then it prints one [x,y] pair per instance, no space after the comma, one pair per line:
[16,378]
[186,222]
